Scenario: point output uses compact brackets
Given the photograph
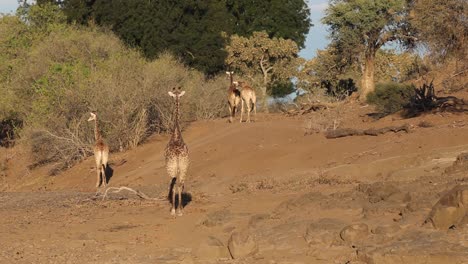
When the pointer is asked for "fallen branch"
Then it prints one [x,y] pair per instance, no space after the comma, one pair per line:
[136,192]
[344,132]
[307,108]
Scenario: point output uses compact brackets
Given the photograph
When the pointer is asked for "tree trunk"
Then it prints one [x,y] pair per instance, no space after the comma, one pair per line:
[264,93]
[367,82]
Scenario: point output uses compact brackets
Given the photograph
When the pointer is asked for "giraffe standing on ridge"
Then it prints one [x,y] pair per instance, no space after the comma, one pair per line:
[233,97]
[176,154]
[101,153]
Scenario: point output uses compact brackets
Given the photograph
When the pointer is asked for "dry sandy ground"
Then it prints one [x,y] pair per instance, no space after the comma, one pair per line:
[290,194]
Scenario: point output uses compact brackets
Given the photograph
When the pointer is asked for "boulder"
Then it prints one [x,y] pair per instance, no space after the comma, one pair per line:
[322,233]
[211,249]
[242,244]
[355,233]
[451,209]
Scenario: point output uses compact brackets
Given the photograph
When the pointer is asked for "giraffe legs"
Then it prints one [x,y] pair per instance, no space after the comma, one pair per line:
[180,206]
[230,113]
[173,212]
[105,156]
[254,103]
[242,110]
[177,187]
[183,166]
[97,156]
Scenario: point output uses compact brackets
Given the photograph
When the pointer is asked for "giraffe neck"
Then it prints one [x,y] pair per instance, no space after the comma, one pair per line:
[230,75]
[97,135]
[176,135]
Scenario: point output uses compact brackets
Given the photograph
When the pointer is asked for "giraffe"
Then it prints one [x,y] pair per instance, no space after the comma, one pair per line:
[249,98]
[101,153]
[176,154]
[233,97]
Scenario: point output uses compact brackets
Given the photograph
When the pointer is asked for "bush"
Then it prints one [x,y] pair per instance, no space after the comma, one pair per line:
[339,89]
[391,97]
[58,78]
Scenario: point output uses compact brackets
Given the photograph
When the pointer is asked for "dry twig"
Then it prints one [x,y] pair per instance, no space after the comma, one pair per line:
[136,192]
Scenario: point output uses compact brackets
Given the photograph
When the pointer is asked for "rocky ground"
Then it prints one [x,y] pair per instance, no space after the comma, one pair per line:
[272,191]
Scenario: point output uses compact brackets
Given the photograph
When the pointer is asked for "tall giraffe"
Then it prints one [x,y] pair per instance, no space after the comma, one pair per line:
[101,153]
[233,97]
[177,156]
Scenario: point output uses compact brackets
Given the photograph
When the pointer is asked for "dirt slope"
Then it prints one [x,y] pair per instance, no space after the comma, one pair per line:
[291,193]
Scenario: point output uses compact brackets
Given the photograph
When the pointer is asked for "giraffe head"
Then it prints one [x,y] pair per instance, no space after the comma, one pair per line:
[229,73]
[176,92]
[92,117]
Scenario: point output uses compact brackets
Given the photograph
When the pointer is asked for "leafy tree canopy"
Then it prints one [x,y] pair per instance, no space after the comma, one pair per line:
[195,31]
[442,26]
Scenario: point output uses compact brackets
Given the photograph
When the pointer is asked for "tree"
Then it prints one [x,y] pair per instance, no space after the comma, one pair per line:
[442,27]
[193,30]
[360,28]
[328,70]
[393,66]
[282,19]
[190,29]
[270,59]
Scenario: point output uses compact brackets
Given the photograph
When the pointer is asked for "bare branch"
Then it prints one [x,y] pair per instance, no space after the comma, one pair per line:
[136,192]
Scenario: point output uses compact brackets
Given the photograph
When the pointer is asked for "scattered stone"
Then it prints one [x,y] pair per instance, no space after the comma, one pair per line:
[425,124]
[386,230]
[211,249]
[354,233]
[323,232]
[387,210]
[459,165]
[242,244]
[217,218]
[379,191]
[451,209]
[418,205]
[418,249]
[255,220]
[464,222]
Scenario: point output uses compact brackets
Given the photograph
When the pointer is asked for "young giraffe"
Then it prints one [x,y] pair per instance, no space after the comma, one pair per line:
[101,153]
[249,98]
[176,154]
[233,97]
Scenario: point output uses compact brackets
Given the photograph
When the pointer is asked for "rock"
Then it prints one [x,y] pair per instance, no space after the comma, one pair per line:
[399,197]
[211,249]
[386,230]
[415,206]
[242,244]
[217,218]
[418,249]
[447,216]
[323,238]
[301,203]
[459,165]
[451,209]
[322,233]
[257,219]
[378,192]
[354,233]
[464,222]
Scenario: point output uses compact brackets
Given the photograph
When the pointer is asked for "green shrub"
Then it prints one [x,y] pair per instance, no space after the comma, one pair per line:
[58,78]
[391,97]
